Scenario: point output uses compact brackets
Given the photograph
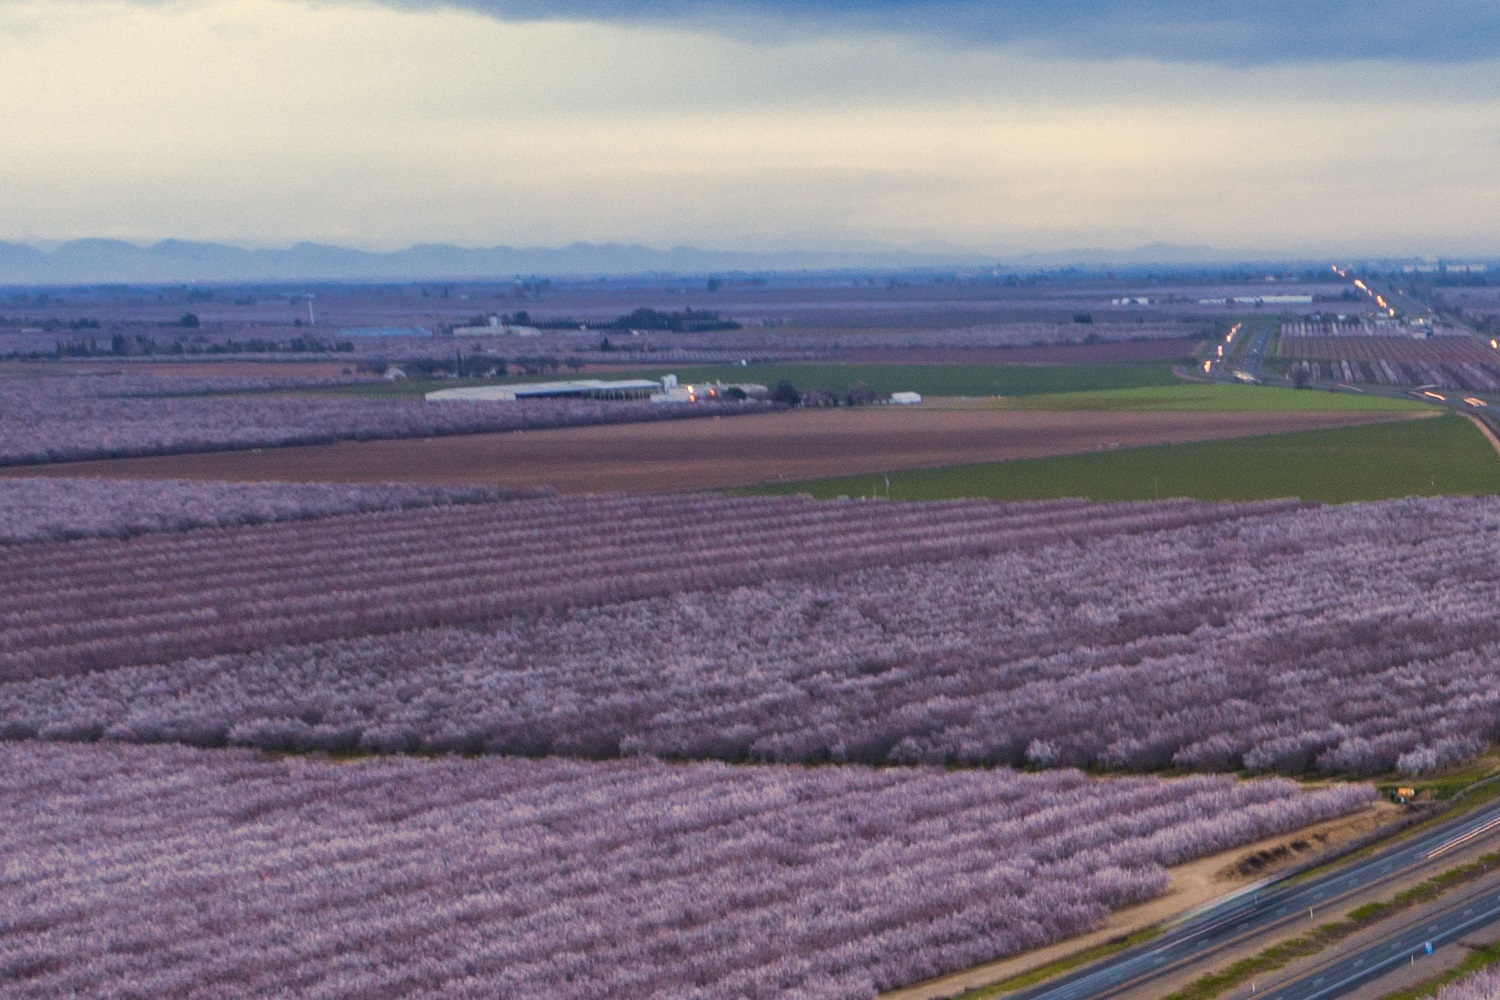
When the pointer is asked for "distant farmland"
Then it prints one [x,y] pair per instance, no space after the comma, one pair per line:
[933,379]
[69,419]
[1203,396]
[1444,454]
[1450,362]
[684,455]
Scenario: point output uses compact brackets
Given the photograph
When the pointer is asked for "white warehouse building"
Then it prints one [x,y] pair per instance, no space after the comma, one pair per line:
[665,391]
[586,388]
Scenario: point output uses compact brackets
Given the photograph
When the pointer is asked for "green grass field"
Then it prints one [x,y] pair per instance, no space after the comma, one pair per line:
[929,380]
[1419,457]
[948,380]
[1205,396]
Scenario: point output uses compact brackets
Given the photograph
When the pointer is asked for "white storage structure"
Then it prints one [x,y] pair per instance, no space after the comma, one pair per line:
[587,388]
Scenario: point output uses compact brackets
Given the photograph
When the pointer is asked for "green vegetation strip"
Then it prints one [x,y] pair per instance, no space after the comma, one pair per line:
[1418,457]
[1477,777]
[1284,953]
[929,380]
[1052,970]
[1206,396]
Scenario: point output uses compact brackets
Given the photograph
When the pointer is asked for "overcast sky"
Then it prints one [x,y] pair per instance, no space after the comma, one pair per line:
[1332,128]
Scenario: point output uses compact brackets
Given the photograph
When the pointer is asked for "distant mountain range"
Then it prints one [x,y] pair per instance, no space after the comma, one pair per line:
[100,261]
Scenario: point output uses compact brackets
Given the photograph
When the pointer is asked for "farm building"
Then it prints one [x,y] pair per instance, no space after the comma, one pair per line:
[495,327]
[906,398]
[1259,300]
[671,392]
[667,390]
[589,388]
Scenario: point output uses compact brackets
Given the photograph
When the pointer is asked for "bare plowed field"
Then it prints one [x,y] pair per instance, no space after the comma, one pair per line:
[682,455]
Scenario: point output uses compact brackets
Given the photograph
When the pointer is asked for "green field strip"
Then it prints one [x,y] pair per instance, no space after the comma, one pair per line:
[1429,457]
[929,380]
[1209,396]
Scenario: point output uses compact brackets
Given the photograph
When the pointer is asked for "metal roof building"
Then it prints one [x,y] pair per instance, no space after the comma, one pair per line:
[590,388]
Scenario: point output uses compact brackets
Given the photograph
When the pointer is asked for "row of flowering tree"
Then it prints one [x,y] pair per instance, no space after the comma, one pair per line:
[59,508]
[102,604]
[180,874]
[1481,985]
[1351,639]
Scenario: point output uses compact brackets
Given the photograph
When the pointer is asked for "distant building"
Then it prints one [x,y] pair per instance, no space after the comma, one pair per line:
[702,392]
[590,388]
[906,398]
[494,327]
[1259,300]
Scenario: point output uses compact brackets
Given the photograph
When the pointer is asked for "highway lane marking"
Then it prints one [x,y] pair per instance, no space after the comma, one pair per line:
[1246,910]
[1452,934]
[1462,839]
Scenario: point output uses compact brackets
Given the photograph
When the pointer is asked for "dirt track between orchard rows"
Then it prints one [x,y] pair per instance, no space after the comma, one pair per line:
[683,455]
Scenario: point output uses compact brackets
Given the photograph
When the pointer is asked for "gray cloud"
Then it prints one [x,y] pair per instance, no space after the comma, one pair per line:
[1258,33]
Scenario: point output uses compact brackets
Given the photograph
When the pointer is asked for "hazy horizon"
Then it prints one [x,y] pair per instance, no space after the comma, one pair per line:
[999,129]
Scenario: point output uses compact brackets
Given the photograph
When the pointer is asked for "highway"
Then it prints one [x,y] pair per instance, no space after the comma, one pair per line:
[1233,921]
[1221,928]
[1443,926]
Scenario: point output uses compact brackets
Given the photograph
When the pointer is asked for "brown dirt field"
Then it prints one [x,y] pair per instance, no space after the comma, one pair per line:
[685,455]
[1194,884]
